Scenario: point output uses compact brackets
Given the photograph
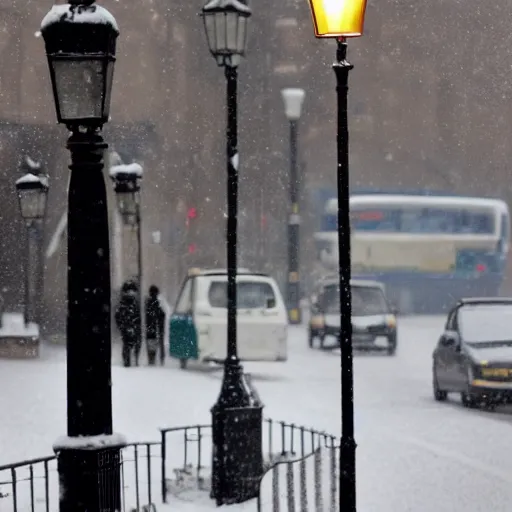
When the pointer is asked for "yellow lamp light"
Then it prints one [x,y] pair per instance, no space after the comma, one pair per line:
[338,18]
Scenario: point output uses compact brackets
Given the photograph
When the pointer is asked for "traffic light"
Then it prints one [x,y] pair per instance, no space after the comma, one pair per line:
[191,215]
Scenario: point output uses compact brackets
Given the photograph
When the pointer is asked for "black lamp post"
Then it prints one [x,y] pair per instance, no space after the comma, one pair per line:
[293,99]
[126,179]
[237,414]
[340,20]
[32,192]
[80,39]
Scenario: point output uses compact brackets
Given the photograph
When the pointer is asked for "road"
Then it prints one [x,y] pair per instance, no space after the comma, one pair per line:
[413,454]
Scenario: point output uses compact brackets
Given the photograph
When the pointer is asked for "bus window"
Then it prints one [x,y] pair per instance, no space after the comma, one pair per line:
[375,220]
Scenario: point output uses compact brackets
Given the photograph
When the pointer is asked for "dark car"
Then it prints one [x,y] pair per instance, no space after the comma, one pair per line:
[473,356]
[373,319]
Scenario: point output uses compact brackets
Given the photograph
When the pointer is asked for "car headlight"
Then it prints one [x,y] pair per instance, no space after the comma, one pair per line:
[391,321]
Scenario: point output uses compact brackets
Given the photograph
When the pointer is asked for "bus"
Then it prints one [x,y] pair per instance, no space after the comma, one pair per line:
[429,250]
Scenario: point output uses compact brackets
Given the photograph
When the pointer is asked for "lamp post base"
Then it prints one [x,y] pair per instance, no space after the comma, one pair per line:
[237,426]
[89,479]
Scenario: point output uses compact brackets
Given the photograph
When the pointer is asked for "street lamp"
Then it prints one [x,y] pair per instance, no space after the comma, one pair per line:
[293,99]
[80,40]
[342,19]
[32,192]
[126,179]
[237,414]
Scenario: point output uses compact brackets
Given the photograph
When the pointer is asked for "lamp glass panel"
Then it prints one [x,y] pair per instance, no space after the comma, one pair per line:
[220,32]
[338,18]
[80,88]
[232,32]
[32,203]
[210,25]
[242,34]
[127,203]
[109,79]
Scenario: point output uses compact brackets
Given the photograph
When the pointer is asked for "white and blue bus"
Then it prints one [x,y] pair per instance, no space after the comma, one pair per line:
[429,250]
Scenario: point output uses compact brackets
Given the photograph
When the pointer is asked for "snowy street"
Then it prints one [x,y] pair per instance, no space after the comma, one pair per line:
[413,454]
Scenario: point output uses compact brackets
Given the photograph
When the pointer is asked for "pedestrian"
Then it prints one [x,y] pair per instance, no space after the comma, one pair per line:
[128,319]
[155,325]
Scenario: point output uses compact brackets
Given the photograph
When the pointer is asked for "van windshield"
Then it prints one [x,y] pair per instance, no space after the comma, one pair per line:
[250,294]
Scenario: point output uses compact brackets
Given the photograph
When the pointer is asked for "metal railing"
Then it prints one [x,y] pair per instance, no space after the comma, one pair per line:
[139,475]
[32,485]
[150,469]
[306,484]
[183,452]
[29,475]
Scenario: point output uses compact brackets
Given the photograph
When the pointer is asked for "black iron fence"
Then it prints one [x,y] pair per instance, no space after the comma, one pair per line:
[151,471]
[186,453]
[308,483]
[32,485]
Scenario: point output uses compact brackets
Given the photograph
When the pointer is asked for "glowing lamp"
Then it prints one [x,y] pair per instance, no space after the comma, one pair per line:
[338,18]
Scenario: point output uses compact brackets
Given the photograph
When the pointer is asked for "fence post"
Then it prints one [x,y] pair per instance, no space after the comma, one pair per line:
[333,474]
[290,487]
[275,488]
[318,480]
[164,476]
[303,487]
[148,453]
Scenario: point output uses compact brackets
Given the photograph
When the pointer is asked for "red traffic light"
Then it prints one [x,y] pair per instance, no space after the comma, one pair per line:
[192,213]
[192,248]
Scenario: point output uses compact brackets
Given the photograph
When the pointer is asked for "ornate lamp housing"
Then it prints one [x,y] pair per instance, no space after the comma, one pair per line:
[32,193]
[80,39]
[338,18]
[126,180]
[293,99]
[225,23]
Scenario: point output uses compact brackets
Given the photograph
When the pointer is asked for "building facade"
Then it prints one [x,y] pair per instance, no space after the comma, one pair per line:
[429,107]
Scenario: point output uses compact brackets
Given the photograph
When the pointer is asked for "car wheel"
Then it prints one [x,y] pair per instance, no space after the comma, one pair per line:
[322,340]
[469,400]
[311,338]
[391,349]
[183,364]
[439,394]
[489,405]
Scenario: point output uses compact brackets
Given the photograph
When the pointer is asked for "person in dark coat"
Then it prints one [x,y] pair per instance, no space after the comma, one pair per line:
[155,326]
[128,318]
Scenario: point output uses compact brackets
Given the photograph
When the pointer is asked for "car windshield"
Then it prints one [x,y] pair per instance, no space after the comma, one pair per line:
[250,294]
[366,300]
[486,323]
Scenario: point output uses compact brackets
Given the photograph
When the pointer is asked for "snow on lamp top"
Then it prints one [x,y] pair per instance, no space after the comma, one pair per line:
[30,180]
[32,164]
[134,170]
[293,99]
[79,13]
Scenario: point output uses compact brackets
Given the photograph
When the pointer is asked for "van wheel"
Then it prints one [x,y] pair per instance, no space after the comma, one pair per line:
[183,364]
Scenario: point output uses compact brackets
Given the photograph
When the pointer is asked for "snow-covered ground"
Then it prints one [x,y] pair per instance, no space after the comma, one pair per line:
[413,454]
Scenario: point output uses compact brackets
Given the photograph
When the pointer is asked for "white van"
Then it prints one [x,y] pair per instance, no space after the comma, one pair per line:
[198,324]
